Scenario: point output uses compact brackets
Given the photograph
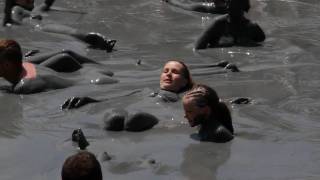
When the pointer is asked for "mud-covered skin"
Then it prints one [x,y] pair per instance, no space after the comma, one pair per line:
[48,79]
[224,33]
[205,7]
[241,100]
[120,120]
[15,14]
[60,61]
[165,96]
[80,139]
[45,80]
[215,132]
[76,102]
[96,40]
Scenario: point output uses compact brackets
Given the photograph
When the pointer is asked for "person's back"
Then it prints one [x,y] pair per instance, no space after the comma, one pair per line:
[81,166]
[232,29]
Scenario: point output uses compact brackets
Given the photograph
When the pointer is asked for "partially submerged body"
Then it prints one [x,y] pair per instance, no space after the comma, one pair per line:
[48,71]
[19,11]
[232,29]
[45,79]
[223,33]
[203,108]
[174,79]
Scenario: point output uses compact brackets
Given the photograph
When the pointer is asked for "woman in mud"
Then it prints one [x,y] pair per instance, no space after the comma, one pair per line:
[17,10]
[207,6]
[27,77]
[203,108]
[175,78]
[232,29]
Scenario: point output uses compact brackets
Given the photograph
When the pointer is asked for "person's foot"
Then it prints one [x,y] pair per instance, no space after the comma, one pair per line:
[78,136]
[97,40]
[232,67]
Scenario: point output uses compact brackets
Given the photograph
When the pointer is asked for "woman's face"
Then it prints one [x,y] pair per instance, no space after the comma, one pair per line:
[172,77]
[194,114]
[27,4]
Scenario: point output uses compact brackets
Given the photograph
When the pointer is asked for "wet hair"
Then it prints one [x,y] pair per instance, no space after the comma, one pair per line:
[203,96]
[242,4]
[81,166]
[10,50]
[186,74]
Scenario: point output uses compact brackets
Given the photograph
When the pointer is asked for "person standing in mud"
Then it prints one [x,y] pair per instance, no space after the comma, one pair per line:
[26,77]
[232,29]
[203,108]
[208,6]
[16,11]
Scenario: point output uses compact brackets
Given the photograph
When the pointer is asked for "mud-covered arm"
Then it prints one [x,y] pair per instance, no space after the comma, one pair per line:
[211,35]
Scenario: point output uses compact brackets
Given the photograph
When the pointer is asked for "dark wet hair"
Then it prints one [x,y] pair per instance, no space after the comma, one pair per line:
[10,50]
[186,74]
[81,166]
[203,96]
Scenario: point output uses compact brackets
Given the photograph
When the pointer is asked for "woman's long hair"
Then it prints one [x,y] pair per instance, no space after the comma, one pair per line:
[205,96]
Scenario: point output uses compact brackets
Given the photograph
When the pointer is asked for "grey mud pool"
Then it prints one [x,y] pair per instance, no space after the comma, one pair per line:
[276,136]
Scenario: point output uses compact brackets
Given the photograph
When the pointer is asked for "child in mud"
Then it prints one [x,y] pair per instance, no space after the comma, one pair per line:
[26,77]
[207,6]
[203,108]
[232,29]
[17,10]
[81,166]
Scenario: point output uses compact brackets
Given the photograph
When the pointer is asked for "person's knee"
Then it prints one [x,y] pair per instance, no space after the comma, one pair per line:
[63,63]
[114,121]
[140,121]
[82,165]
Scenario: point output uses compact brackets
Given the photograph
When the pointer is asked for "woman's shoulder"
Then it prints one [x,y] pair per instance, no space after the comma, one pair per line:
[219,134]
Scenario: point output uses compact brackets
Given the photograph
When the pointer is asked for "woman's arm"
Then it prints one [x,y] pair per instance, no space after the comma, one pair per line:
[212,34]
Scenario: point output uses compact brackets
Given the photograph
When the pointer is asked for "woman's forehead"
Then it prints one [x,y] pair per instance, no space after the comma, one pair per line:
[174,64]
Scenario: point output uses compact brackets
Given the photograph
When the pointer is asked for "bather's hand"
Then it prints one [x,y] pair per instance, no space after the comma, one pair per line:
[76,102]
